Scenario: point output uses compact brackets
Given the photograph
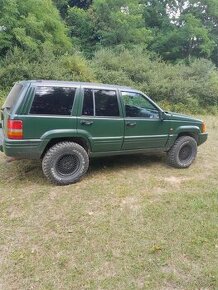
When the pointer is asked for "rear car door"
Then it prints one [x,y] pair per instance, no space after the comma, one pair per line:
[143,127]
[100,119]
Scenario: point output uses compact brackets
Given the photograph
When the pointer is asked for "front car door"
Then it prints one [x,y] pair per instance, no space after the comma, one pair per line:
[100,119]
[143,127]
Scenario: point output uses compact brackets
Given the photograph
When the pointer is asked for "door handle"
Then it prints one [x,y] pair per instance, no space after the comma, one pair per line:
[129,124]
[87,123]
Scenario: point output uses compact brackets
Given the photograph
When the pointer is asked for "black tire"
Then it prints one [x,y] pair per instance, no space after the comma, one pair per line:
[183,152]
[65,163]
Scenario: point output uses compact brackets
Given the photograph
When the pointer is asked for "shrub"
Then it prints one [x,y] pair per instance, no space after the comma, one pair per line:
[189,88]
[20,65]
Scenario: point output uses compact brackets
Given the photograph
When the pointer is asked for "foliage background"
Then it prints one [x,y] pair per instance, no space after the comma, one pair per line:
[165,48]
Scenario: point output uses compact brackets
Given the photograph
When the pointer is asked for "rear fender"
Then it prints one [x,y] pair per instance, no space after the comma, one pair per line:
[61,134]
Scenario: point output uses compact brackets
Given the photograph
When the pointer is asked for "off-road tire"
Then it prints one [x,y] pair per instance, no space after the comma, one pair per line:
[183,152]
[65,163]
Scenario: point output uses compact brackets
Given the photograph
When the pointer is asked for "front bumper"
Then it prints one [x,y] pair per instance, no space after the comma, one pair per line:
[202,138]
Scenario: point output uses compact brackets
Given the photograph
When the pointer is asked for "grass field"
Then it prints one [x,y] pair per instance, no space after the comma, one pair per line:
[131,223]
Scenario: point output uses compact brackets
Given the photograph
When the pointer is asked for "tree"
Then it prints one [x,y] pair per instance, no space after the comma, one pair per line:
[63,5]
[179,29]
[108,23]
[30,25]
[82,28]
[120,22]
[207,12]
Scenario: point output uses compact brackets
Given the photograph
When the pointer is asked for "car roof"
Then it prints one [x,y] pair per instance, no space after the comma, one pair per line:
[77,84]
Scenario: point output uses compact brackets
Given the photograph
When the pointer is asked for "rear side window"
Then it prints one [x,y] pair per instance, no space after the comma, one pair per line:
[101,103]
[13,97]
[53,101]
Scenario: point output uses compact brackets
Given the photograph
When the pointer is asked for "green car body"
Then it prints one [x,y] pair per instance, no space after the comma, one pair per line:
[98,135]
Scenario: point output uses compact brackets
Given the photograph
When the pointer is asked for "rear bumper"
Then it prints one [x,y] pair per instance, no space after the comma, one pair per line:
[27,149]
[202,138]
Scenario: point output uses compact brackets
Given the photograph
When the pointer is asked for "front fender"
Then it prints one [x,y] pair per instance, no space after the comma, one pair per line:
[181,129]
[188,129]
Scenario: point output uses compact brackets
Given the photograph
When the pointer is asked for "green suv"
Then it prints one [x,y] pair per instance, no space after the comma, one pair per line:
[66,123]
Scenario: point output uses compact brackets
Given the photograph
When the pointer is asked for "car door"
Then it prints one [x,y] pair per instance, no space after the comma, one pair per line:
[144,128]
[100,119]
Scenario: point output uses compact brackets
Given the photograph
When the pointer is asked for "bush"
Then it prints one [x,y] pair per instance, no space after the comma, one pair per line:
[181,87]
[20,65]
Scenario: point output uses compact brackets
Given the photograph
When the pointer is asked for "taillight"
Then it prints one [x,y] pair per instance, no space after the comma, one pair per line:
[15,129]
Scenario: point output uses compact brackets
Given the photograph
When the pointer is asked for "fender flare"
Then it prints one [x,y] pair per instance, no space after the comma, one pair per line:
[190,130]
[61,134]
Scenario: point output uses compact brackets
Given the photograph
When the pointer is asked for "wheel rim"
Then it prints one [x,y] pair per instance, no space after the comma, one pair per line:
[67,164]
[185,153]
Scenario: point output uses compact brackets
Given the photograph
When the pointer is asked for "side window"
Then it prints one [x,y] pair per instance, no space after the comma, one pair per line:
[106,103]
[53,101]
[13,97]
[136,105]
[100,103]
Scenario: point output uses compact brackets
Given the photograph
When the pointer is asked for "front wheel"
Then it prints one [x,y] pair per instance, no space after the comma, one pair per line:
[65,163]
[183,152]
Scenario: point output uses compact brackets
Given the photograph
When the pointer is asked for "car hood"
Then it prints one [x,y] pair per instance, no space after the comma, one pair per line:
[182,117]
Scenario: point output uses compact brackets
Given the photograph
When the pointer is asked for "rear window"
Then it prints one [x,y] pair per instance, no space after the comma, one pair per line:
[13,97]
[53,101]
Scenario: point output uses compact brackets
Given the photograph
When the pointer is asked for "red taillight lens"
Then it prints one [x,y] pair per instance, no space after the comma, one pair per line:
[15,129]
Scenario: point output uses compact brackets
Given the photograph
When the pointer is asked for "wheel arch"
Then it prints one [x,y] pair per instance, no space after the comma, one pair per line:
[192,131]
[79,140]
[194,135]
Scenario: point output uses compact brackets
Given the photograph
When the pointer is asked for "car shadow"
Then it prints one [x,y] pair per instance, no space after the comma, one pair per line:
[31,170]
[125,161]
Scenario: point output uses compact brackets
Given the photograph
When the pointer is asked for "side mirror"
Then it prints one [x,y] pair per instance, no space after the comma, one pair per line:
[162,115]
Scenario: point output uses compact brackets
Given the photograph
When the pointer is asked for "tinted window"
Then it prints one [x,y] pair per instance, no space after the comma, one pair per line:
[13,97]
[106,103]
[53,101]
[88,107]
[138,106]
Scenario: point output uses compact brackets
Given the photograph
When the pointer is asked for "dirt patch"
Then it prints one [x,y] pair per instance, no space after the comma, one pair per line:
[130,203]
[176,180]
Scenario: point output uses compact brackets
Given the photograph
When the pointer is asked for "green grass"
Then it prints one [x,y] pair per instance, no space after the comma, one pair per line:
[131,223]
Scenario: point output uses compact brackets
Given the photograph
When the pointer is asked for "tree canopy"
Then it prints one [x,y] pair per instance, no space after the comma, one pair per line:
[72,39]
[31,24]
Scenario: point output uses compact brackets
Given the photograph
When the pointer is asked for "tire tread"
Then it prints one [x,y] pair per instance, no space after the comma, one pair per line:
[51,152]
[171,154]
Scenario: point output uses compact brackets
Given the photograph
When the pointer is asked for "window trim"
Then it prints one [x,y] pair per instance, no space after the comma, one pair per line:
[94,105]
[51,115]
[15,100]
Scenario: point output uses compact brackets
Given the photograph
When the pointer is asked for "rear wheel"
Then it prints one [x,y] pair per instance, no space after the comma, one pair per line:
[183,152]
[65,163]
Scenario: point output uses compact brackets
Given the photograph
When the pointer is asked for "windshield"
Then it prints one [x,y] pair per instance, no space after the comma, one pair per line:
[13,97]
